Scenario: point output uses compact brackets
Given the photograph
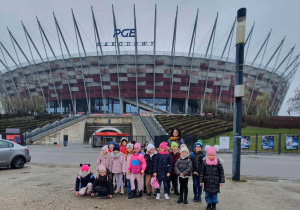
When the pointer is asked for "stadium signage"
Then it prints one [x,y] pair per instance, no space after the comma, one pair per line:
[125,32]
[128,32]
[109,44]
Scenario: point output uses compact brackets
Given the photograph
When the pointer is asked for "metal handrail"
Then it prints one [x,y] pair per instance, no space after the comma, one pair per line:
[144,125]
[51,126]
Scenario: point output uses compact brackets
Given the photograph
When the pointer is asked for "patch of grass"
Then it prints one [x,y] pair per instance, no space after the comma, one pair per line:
[242,180]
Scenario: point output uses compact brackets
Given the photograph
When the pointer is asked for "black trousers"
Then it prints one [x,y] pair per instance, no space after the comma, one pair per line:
[174,180]
[183,187]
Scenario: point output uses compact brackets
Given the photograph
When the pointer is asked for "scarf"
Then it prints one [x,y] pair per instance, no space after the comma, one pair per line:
[83,175]
[175,152]
[173,138]
[116,155]
[151,155]
[164,152]
[213,162]
[183,157]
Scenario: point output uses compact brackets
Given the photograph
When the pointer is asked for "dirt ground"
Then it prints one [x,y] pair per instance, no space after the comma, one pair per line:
[48,186]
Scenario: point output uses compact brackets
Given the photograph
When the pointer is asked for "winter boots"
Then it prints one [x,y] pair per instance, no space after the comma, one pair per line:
[133,194]
[208,206]
[185,201]
[180,200]
[140,194]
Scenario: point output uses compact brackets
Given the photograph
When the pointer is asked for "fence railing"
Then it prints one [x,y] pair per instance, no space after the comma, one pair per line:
[251,142]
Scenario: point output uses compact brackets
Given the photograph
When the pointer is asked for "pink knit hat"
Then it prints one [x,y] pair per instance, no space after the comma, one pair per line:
[85,167]
[101,168]
[137,145]
[105,148]
[164,145]
[211,150]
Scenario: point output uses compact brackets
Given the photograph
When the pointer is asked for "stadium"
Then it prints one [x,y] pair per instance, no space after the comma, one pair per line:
[126,81]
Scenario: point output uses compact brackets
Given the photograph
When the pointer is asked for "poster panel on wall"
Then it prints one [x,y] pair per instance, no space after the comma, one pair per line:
[268,142]
[224,142]
[291,142]
[245,142]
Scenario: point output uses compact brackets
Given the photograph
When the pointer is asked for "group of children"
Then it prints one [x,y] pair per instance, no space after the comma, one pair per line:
[128,163]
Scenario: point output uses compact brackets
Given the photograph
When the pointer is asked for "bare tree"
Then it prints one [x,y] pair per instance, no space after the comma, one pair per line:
[294,102]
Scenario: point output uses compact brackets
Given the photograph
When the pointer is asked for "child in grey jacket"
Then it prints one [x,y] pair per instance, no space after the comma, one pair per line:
[183,168]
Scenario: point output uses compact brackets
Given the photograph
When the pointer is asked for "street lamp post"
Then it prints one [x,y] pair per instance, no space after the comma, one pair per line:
[238,93]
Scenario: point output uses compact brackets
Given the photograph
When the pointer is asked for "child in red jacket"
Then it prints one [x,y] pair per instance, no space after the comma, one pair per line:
[175,156]
[123,147]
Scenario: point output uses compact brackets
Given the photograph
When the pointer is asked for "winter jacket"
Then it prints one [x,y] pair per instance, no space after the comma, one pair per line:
[212,176]
[118,163]
[150,163]
[128,157]
[123,149]
[197,160]
[105,160]
[137,163]
[82,182]
[103,184]
[179,142]
[184,166]
[162,166]
[175,157]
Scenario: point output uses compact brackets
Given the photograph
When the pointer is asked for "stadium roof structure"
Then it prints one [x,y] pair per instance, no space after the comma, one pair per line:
[148,80]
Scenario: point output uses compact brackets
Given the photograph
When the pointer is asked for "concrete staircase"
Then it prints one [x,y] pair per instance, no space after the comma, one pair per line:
[153,126]
[140,127]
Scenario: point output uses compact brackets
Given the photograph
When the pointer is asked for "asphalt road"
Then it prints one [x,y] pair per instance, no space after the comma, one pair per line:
[262,166]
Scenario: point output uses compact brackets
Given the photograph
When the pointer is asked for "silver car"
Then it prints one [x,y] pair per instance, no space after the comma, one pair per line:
[13,154]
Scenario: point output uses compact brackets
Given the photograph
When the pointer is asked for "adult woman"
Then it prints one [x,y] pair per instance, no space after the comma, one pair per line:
[175,135]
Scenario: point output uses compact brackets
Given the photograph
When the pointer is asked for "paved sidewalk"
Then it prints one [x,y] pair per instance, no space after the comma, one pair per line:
[47,186]
[261,166]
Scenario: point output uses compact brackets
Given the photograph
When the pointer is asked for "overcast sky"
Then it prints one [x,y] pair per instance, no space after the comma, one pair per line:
[280,16]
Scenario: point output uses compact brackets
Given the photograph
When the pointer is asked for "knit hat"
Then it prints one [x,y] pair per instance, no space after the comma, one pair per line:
[129,145]
[164,145]
[211,150]
[123,139]
[105,148]
[182,145]
[174,144]
[116,147]
[185,149]
[199,144]
[85,167]
[110,143]
[149,147]
[102,168]
[137,145]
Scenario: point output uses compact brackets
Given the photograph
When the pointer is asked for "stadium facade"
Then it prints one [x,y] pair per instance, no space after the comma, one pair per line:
[126,81]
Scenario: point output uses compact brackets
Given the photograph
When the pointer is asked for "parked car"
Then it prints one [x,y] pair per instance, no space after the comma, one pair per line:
[13,154]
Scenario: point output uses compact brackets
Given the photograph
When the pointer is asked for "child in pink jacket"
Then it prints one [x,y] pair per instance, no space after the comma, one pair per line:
[105,159]
[118,167]
[137,168]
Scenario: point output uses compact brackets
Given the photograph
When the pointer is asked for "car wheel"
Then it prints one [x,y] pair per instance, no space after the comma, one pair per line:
[18,162]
